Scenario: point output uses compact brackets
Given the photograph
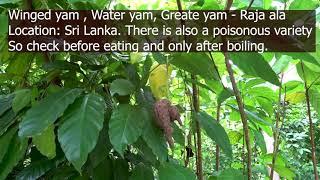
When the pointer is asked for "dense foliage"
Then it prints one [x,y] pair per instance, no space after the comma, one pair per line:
[91,115]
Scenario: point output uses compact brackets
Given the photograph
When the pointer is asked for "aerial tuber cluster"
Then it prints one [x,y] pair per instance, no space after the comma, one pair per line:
[165,114]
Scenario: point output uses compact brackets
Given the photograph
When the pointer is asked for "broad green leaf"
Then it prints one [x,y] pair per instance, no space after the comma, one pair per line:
[260,141]
[229,174]
[177,134]
[125,126]
[253,64]
[301,5]
[142,172]
[224,95]
[121,87]
[21,99]
[307,74]
[159,80]
[46,112]
[35,170]
[154,138]
[45,142]
[266,105]
[98,4]
[104,170]
[280,165]
[171,171]
[281,64]
[195,63]
[306,57]
[5,103]
[146,152]
[79,132]
[120,169]
[6,120]
[315,100]
[9,1]
[61,65]
[284,172]
[4,23]
[254,117]
[5,141]
[146,71]
[15,153]
[19,65]
[267,160]
[215,131]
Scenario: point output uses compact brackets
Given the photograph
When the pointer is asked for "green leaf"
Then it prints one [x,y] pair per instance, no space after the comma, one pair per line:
[61,65]
[304,57]
[104,170]
[142,172]
[224,95]
[120,169]
[4,23]
[80,129]
[7,120]
[35,170]
[215,131]
[309,76]
[125,126]
[260,141]
[195,63]
[234,137]
[9,1]
[15,153]
[178,134]
[154,138]
[253,64]
[46,112]
[5,141]
[21,99]
[171,171]
[284,172]
[5,103]
[45,142]
[122,87]
[146,70]
[98,3]
[229,174]
[281,63]
[315,100]
[301,5]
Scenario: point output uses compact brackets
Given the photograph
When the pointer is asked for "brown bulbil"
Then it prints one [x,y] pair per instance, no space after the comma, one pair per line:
[165,113]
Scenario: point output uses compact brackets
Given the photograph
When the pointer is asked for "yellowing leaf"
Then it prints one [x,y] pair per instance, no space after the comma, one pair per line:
[294,98]
[159,80]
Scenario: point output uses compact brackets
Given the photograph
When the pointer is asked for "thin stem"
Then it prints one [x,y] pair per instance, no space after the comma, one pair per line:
[276,131]
[250,4]
[313,147]
[217,146]
[195,98]
[242,114]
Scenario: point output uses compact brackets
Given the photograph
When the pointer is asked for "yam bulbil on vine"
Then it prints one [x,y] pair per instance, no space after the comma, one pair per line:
[165,114]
